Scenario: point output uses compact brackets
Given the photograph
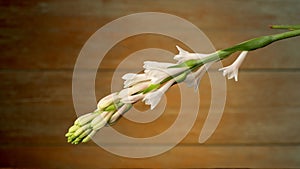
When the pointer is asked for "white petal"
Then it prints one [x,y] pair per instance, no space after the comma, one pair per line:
[129,76]
[132,79]
[157,65]
[157,76]
[157,71]
[236,78]
[185,55]
[230,75]
[165,87]
[193,79]
[190,56]
[133,98]
[134,89]
[240,59]
[223,68]
[181,51]
[232,70]
[154,97]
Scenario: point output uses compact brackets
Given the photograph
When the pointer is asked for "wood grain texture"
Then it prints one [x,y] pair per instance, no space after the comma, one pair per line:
[37,35]
[179,157]
[39,45]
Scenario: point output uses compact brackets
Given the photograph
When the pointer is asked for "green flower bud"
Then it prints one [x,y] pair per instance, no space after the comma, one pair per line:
[81,129]
[87,138]
[73,128]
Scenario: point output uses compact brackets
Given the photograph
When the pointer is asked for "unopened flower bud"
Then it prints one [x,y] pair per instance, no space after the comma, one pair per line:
[106,101]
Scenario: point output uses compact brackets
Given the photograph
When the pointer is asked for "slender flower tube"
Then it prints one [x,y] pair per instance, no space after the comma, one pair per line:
[102,122]
[134,89]
[89,136]
[133,98]
[184,55]
[99,118]
[154,97]
[131,79]
[232,70]
[82,120]
[193,79]
[156,75]
[158,71]
[106,101]
[119,113]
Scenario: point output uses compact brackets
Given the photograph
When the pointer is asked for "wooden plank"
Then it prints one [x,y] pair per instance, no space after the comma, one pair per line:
[257,111]
[179,157]
[256,88]
[207,11]
[237,126]
[54,36]
[39,44]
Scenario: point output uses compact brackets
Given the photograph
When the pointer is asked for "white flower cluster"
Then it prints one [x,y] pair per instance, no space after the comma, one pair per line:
[149,87]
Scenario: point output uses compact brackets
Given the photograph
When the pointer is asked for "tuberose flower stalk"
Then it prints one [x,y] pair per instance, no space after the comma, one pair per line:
[158,77]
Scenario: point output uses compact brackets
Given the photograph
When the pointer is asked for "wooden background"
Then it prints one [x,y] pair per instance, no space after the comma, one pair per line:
[40,41]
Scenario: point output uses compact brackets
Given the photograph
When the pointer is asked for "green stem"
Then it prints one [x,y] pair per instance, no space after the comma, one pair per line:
[286,35]
[259,42]
[289,27]
[248,45]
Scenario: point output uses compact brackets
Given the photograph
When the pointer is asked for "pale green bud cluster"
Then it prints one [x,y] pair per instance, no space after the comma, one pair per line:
[86,126]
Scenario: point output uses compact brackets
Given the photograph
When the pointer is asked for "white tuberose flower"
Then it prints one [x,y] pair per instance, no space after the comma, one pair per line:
[131,79]
[193,79]
[153,98]
[158,71]
[133,98]
[233,69]
[184,55]
[134,89]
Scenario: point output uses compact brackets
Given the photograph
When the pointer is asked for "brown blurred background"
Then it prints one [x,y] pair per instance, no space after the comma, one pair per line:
[40,41]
